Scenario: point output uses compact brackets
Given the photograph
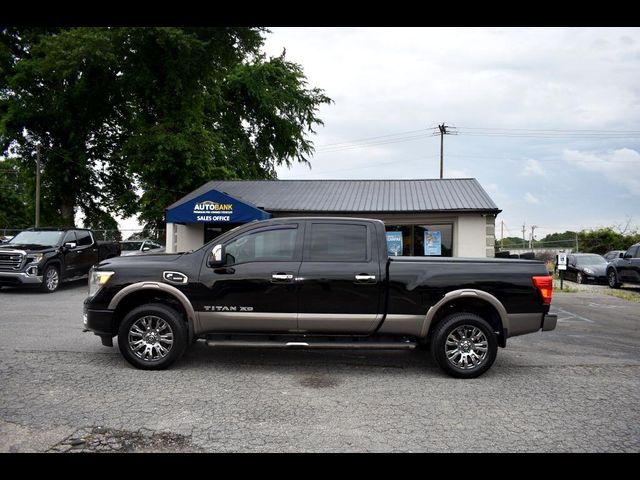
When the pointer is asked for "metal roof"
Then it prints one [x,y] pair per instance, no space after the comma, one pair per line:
[440,195]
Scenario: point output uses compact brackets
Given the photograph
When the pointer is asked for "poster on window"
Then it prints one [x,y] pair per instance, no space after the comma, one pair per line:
[432,242]
[394,243]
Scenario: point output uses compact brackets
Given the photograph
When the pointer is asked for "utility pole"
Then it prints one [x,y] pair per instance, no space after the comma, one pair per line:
[501,234]
[533,228]
[523,234]
[443,132]
[37,185]
[577,250]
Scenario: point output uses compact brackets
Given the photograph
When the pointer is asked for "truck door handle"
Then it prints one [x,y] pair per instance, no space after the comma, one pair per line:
[365,278]
[281,277]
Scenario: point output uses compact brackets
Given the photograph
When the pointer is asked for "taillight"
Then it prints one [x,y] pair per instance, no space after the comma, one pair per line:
[544,284]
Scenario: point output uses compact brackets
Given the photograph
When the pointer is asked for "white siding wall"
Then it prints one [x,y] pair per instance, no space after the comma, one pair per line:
[470,236]
[181,238]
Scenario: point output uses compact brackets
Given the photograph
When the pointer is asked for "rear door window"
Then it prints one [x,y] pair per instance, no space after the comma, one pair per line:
[337,242]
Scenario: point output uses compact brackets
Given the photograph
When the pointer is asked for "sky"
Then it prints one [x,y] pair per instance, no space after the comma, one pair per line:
[547,119]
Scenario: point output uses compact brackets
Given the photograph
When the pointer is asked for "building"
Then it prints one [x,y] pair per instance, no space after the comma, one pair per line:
[446,217]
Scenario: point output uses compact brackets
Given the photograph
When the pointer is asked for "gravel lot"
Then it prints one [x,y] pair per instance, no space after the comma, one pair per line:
[575,389]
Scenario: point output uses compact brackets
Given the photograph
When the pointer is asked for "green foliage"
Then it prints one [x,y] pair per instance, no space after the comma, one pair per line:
[14,211]
[604,240]
[558,240]
[157,110]
[511,242]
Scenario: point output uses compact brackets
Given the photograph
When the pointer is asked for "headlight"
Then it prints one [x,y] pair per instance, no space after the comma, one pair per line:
[97,278]
[588,271]
[35,258]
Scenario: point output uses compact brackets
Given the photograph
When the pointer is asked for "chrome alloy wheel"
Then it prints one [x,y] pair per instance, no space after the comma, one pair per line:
[150,338]
[52,279]
[466,347]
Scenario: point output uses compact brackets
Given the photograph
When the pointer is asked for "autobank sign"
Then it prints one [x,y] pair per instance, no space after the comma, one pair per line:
[215,207]
[210,211]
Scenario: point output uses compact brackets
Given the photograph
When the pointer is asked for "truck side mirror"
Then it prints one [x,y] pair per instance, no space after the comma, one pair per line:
[70,245]
[627,255]
[216,258]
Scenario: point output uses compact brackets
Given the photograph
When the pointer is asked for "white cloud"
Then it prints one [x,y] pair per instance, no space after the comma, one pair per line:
[530,198]
[532,168]
[621,166]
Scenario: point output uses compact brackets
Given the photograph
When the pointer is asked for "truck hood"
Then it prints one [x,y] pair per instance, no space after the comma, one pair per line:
[29,248]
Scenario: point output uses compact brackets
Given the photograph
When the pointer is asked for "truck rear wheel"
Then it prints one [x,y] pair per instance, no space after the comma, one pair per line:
[152,336]
[464,345]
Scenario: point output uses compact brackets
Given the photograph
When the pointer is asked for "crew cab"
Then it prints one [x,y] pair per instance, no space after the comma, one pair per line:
[45,257]
[625,268]
[316,283]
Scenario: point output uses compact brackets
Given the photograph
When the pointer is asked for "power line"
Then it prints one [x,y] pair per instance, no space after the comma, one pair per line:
[377,143]
[359,167]
[371,138]
[547,130]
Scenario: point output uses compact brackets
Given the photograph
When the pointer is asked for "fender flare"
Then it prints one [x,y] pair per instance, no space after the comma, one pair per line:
[163,287]
[465,293]
[57,262]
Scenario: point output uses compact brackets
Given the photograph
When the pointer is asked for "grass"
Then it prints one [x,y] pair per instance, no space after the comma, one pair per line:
[565,287]
[625,295]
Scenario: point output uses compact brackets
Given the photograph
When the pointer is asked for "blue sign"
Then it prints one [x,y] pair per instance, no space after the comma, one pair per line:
[215,207]
[394,243]
[432,242]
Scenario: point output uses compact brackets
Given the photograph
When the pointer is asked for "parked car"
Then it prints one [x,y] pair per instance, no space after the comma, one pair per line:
[613,254]
[45,257]
[586,267]
[625,269]
[316,283]
[138,247]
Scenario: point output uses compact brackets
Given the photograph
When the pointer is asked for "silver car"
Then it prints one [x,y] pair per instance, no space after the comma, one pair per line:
[138,247]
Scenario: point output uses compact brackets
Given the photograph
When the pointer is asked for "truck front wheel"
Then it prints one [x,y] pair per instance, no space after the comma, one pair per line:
[464,345]
[152,336]
[50,279]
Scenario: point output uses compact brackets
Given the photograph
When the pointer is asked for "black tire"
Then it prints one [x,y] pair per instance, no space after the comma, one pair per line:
[50,279]
[612,279]
[450,326]
[152,357]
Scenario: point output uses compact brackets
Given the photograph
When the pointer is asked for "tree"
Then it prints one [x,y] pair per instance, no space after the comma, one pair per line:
[510,242]
[558,240]
[131,119]
[14,211]
[604,240]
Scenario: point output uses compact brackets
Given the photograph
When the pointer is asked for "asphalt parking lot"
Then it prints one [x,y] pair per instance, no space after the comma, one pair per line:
[575,389]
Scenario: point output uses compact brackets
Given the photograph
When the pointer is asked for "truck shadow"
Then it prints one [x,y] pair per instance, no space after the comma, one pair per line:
[73,285]
[200,355]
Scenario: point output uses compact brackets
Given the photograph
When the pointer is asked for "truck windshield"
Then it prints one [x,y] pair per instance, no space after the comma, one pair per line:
[131,245]
[36,238]
[590,260]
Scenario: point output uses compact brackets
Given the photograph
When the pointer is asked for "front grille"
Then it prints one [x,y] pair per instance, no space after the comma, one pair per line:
[10,261]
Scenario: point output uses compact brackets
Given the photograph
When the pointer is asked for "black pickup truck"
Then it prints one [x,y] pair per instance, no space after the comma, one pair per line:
[315,283]
[625,268]
[45,257]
